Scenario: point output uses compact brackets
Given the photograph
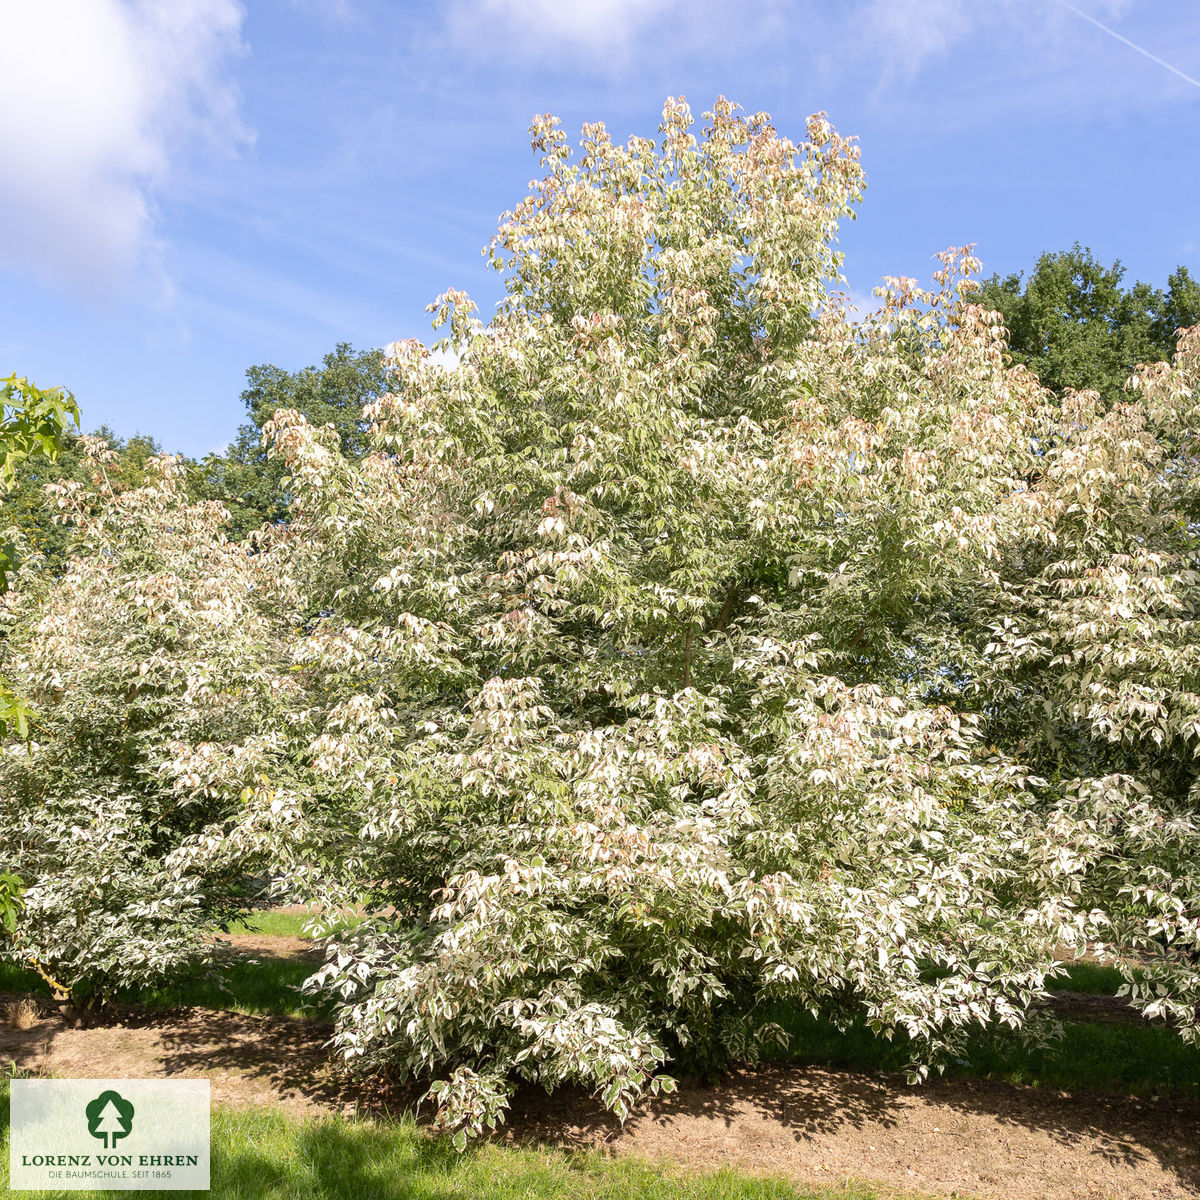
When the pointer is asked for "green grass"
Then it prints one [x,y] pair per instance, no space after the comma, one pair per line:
[274,923]
[13,979]
[1137,1060]
[1130,1059]
[1089,977]
[261,1154]
[269,986]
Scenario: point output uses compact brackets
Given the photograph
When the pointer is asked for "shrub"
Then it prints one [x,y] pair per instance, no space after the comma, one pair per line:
[152,664]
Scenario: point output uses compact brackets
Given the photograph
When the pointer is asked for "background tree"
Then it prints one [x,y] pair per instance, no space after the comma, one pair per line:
[33,424]
[244,478]
[1075,326]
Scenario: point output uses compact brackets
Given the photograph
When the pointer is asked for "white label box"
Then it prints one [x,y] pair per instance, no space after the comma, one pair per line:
[104,1134]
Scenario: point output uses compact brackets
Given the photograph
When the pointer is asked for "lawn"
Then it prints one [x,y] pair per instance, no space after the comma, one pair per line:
[1129,1059]
[284,922]
[260,1154]
[267,986]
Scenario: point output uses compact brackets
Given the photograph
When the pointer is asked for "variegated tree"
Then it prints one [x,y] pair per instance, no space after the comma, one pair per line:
[675,644]
[156,669]
[689,647]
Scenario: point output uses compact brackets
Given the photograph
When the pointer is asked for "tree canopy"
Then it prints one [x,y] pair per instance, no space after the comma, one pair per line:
[155,663]
[248,482]
[690,647]
[1075,326]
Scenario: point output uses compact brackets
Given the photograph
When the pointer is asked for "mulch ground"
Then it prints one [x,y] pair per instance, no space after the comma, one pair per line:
[971,1138]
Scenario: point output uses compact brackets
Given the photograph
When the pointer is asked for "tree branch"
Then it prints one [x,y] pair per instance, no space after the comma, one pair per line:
[727,608]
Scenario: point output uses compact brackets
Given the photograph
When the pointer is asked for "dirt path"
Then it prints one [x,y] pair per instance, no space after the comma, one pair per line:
[248,1060]
[971,1138]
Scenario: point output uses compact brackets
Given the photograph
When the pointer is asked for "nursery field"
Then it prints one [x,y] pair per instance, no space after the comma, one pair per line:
[1112,1108]
[709,717]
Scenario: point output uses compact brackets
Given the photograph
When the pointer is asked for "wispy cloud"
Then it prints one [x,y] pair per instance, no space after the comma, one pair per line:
[603,25]
[1112,33]
[905,36]
[96,98]
[252,287]
[330,11]
[965,65]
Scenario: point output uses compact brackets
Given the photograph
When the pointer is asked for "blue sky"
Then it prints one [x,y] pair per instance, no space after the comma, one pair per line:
[190,187]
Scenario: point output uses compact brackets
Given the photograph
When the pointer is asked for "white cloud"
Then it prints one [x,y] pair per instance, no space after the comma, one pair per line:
[593,24]
[862,302]
[96,98]
[906,35]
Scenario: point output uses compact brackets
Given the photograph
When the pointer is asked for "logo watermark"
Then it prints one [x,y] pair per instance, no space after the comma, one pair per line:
[148,1134]
[109,1117]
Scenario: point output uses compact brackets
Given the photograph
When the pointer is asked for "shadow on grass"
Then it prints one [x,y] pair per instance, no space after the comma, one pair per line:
[263,984]
[260,1154]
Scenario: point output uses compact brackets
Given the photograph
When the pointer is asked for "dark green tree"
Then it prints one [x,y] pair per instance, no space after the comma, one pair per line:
[1182,302]
[1076,326]
[244,478]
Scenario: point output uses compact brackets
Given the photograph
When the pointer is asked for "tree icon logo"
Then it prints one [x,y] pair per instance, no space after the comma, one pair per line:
[110,1117]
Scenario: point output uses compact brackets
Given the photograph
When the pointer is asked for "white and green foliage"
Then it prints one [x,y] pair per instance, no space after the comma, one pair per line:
[657,677]
[1097,660]
[153,665]
[688,647]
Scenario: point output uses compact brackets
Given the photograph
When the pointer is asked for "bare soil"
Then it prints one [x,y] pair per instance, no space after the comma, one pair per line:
[1105,1010]
[279,1061]
[258,945]
[947,1138]
[992,1141]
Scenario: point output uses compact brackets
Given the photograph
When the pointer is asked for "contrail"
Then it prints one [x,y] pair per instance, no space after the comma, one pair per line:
[1132,45]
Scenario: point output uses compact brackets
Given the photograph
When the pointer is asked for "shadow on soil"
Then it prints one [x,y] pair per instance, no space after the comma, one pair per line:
[809,1101]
